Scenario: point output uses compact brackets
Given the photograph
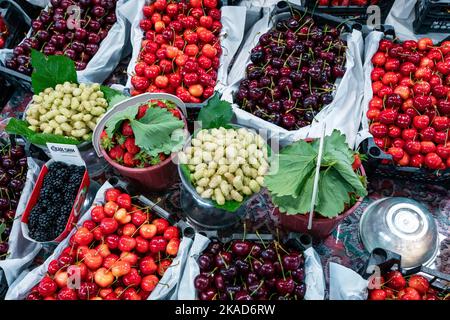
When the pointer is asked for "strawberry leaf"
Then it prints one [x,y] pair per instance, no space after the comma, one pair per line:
[113,124]
[216,113]
[50,71]
[157,132]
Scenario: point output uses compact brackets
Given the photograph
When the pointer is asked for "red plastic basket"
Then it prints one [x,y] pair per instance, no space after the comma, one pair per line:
[76,208]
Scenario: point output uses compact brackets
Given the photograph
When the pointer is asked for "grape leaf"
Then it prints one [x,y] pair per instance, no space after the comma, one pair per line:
[292,185]
[217,113]
[298,204]
[50,71]
[20,127]
[296,163]
[113,124]
[155,131]
[112,96]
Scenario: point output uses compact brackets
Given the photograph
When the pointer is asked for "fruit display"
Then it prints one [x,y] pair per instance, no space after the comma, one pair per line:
[49,217]
[226,164]
[13,172]
[58,31]
[143,135]
[120,253]
[3,32]
[410,109]
[180,50]
[395,286]
[69,109]
[292,72]
[247,270]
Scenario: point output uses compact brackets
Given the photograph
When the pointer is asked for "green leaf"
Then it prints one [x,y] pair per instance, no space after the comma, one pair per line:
[333,193]
[216,113]
[296,163]
[20,127]
[335,146]
[112,96]
[50,71]
[292,184]
[113,124]
[299,204]
[156,131]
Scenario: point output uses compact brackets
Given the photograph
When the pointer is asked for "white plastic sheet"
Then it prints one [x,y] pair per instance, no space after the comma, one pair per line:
[233,24]
[371,47]
[21,251]
[344,113]
[109,53]
[314,277]
[346,284]
[187,290]
[402,16]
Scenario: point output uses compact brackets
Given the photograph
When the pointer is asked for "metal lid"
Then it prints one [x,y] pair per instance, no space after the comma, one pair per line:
[403,226]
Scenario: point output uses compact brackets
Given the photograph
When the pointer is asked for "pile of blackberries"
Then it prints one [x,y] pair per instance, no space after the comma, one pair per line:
[49,216]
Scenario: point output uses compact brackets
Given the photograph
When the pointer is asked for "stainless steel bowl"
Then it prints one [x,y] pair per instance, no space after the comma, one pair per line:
[202,212]
[403,226]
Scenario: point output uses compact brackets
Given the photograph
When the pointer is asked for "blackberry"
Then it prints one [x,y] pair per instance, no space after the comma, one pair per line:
[49,216]
[45,193]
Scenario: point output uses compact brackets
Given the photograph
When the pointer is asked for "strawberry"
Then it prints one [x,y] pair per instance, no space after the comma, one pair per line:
[105,141]
[142,110]
[356,162]
[131,146]
[128,160]
[116,153]
[126,129]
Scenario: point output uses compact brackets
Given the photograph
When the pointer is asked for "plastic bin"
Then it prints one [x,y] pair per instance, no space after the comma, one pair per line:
[432,16]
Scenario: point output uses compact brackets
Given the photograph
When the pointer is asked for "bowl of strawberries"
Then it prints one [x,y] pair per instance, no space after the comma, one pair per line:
[140,136]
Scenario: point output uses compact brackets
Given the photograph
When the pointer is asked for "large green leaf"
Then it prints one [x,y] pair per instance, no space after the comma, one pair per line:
[217,113]
[154,131]
[301,203]
[295,164]
[50,71]
[292,184]
[333,193]
[112,96]
[20,127]
[113,123]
